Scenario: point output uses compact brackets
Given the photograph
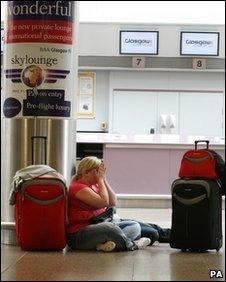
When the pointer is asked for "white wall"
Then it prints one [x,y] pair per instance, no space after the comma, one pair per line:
[102,39]
[101,104]
[173,81]
[108,81]
[167,80]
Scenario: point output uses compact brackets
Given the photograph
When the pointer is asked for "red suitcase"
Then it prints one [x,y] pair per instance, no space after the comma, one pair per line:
[40,213]
[39,194]
[198,164]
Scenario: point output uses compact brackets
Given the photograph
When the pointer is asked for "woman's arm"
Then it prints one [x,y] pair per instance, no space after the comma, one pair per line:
[111,194]
[91,198]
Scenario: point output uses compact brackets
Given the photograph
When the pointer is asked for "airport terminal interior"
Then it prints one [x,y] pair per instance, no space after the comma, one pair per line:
[135,95]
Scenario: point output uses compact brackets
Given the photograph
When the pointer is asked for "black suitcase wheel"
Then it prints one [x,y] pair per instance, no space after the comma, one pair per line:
[197,250]
[220,244]
[183,250]
[193,250]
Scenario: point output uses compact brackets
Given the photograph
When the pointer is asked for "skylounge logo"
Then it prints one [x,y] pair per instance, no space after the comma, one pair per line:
[48,8]
[20,61]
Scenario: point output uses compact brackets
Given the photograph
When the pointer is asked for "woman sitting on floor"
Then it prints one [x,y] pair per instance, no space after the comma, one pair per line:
[89,196]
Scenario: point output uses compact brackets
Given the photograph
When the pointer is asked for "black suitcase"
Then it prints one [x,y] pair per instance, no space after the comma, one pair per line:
[196,215]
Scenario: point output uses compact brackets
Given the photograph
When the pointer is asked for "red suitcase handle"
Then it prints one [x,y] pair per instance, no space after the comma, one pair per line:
[205,141]
[43,202]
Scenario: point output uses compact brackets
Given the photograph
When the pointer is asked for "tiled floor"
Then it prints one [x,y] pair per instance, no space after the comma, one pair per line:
[156,263]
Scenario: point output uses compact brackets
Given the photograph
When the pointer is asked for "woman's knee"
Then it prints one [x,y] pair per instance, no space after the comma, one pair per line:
[93,235]
[108,228]
[131,229]
[106,225]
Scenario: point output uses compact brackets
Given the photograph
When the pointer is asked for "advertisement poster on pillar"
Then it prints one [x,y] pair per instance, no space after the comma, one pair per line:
[38,46]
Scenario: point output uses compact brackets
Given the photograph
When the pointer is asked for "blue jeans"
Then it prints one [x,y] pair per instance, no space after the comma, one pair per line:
[154,232]
[122,233]
[149,230]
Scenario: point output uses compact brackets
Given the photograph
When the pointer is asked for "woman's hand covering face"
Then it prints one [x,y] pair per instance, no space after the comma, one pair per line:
[100,172]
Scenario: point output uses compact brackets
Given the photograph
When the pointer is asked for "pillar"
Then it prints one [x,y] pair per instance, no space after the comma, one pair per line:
[39,91]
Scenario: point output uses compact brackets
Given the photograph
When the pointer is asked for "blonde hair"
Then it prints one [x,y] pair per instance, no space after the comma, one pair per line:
[86,164]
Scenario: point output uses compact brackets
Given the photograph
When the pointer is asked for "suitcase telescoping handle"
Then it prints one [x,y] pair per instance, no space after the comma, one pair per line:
[199,141]
[32,147]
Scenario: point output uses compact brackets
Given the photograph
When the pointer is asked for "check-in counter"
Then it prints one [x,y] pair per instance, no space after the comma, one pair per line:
[143,164]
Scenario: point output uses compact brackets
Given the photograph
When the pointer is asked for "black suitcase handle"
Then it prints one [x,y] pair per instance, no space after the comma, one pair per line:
[32,147]
[203,141]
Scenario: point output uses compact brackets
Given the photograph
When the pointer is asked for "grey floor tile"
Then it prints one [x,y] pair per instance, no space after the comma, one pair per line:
[10,255]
